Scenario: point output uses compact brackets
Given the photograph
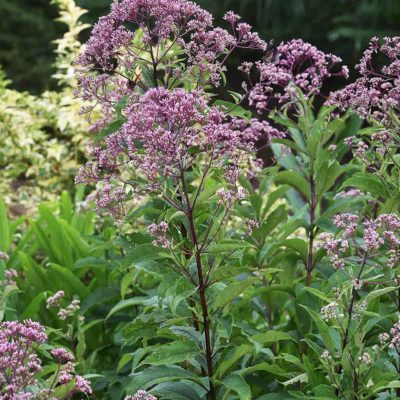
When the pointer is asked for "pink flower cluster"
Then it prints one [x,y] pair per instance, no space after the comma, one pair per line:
[63,313]
[10,277]
[296,64]
[366,237]
[162,23]
[141,395]
[165,133]
[4,256]
[377,91]
[20,364]
[54,301]
[395,337]
[159,20]
[159,232]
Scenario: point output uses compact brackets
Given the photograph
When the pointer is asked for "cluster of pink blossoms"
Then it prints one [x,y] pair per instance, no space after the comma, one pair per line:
[159,20]
[295,64]
[112,49]
[377,91]
[63,313]
[10,278]
[159,232]
[393,337]
[141,395]
[165,132]
[20,364]
[4,256]
[365,237]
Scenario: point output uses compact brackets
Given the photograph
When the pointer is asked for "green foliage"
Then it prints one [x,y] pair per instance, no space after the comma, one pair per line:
[42,137]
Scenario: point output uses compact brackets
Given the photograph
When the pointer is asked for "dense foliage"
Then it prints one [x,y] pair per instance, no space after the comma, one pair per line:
[179,265]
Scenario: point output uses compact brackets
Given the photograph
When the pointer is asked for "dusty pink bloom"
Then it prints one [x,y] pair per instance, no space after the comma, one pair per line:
[71,309]
[377,90]
[232,18]
[141,395]
[296,64]
[384,337]
[183,23]
[331,311]
[61,355]
[4,256]
[357,284]
[364,238]
[10,276]
[82,385]
[19,362]
[349,141]
[54,301]
[365,358]
[165,133]
[395,336]
[159,232]
[251,224]
[347,222]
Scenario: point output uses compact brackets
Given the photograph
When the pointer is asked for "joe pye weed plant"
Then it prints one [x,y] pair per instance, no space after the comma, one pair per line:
[186,154]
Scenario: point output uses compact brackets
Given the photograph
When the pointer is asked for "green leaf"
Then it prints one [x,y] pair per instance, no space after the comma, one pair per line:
[126,303]
[138,329]
[226,247]
[270,337]
[272,369]
[368,183]
[175,352]
[237,384]
[379,292]
[299,245]
[67,280]
[154,375]
[111,128]
[301,378]
[141,253]
[322,328]
[232,357]
[177,391]
[295,180]
[233,109]
[231,292]
[33,307]
[317,293]
[273,220]
[4,228]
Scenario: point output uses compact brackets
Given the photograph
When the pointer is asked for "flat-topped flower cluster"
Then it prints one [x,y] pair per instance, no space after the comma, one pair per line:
[20,364]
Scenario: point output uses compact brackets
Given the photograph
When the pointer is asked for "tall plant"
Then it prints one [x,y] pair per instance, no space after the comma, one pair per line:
[165,139]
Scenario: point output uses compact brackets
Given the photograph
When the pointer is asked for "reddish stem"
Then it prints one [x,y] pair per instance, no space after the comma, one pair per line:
[202,288]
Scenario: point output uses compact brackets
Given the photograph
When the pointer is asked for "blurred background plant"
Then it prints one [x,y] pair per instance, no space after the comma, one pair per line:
[42,136]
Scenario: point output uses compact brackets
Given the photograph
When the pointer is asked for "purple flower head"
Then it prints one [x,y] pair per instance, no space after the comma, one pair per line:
[296,64]
[159,20]
[159,232]
[4,256]
[377,90]
[61,355]
[369,238]
[151,34]
[165,132]
[19,362]
[141,395]
[54,301]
